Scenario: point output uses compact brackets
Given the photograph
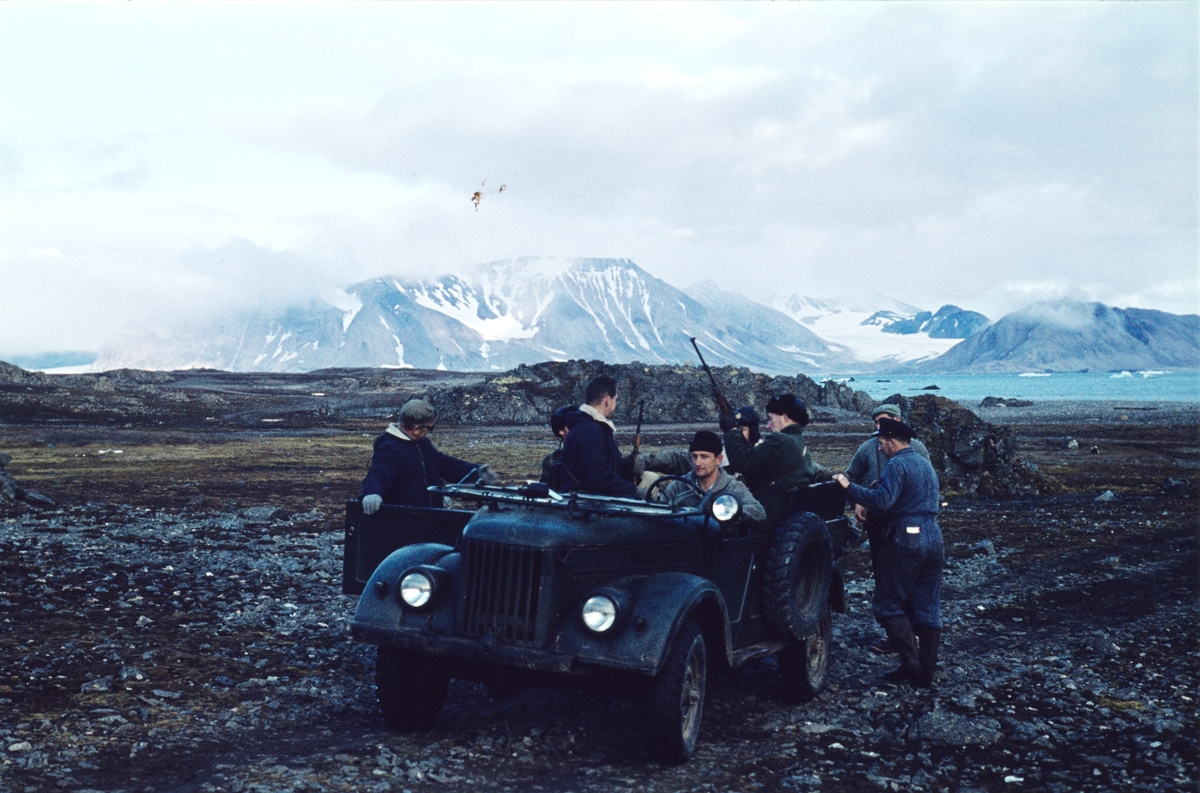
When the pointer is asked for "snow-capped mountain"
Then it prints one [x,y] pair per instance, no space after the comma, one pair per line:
[1069,336]
[500,315]
[881,331]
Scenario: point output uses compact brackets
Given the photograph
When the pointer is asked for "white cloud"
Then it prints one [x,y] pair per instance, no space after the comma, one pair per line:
[951,150]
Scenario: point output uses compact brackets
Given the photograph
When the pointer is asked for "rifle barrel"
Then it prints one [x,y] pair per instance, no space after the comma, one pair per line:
[722,402]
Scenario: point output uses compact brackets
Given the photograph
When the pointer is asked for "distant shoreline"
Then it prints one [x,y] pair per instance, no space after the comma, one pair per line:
[1103,411]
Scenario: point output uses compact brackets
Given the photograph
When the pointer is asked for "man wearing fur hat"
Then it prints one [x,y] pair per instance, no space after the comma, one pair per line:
[778,464]
[908,571]
[404,463]
[708,475]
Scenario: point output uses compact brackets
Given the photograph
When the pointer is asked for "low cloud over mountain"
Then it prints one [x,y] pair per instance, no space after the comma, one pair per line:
[503,314]
[1069,336]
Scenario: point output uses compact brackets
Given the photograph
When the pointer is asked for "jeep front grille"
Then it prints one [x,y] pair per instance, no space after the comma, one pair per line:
[502,591]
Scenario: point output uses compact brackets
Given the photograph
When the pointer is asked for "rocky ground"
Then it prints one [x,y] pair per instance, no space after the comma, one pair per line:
[174,622]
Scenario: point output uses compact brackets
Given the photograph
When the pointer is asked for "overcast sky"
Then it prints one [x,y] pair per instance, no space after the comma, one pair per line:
[986,154]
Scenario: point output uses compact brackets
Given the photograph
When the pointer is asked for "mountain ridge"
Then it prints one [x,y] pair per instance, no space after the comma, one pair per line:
[1070,336]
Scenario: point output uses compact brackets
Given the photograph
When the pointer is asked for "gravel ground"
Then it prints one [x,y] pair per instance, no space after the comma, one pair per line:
[208,652]
[186,648]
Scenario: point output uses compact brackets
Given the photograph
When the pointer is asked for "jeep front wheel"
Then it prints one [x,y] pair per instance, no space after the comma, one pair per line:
[677,698]
[410,687]
[804,666]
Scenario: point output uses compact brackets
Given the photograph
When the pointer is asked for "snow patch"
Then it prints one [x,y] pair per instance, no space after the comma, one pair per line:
[488,316]
[399,355]
[349,304]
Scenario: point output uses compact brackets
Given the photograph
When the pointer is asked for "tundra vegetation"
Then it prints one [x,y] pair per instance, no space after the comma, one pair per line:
[173,619]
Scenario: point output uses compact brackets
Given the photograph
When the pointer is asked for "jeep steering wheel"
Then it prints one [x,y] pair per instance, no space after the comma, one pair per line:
[671,478]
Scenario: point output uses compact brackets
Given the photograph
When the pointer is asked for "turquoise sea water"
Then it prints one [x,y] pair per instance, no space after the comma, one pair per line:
[1131,386]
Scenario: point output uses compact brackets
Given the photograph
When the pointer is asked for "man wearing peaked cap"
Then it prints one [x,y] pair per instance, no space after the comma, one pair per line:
[866,467]
[908,568]
[893,428]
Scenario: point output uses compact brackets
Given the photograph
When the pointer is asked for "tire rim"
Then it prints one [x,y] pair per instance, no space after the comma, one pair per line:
[816,650]
[691,698]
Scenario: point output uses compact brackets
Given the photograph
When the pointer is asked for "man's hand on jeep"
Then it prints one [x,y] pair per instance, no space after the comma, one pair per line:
[487,476]
[372,503]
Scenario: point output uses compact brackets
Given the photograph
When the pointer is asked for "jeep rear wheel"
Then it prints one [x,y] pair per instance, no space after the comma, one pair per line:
[677,698]
[797,576]
[410,687]
[804,666]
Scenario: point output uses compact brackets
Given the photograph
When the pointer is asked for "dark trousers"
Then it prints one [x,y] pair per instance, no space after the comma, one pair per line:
[908,575]
[875,524]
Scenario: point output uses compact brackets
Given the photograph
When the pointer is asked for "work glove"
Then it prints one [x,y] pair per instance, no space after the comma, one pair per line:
[486,476]
[728,422]
[371,503]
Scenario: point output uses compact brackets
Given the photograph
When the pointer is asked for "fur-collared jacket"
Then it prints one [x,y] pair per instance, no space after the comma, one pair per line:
[402,469]
[591,460]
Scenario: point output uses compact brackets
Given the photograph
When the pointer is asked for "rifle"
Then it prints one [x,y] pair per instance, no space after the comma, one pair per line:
[637,436]
[637,441]
[722,402]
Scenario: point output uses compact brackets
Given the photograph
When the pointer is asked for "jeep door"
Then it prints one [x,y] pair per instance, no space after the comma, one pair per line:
[370,538]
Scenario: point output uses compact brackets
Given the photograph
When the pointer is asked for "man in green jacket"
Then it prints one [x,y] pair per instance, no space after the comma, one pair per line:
[779,463]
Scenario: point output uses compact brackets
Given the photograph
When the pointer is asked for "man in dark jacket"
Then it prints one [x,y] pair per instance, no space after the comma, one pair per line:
[780,462]
[591,461]
[908,572]
[552,462]
[866,469]
[405,463]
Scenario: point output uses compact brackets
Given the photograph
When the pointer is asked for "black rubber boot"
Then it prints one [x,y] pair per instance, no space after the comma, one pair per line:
[928,653]
[900,631]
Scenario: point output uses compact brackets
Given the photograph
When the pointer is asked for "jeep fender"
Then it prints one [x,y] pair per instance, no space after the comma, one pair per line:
[659,604]
[379,607]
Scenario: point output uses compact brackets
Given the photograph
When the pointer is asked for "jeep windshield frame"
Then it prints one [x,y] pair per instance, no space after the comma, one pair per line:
[571,502]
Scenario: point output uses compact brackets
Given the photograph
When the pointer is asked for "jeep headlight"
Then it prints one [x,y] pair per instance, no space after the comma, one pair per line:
[599,613]
[416,589]
[725,507]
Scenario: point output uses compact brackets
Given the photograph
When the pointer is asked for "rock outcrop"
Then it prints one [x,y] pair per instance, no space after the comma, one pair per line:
[970,455]
[11,492]
[15,374]
[530,393]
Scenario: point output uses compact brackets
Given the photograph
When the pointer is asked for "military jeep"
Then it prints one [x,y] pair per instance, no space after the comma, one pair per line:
[537,588]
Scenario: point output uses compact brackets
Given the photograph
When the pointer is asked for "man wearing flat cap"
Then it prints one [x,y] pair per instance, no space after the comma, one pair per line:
[708,475]
[780,463]
[908,570]
[404,463]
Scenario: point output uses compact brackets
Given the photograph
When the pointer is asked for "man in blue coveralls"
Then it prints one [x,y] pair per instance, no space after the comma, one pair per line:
[908,573]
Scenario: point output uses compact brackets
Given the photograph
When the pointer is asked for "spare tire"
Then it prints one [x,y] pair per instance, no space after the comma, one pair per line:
[797,576]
